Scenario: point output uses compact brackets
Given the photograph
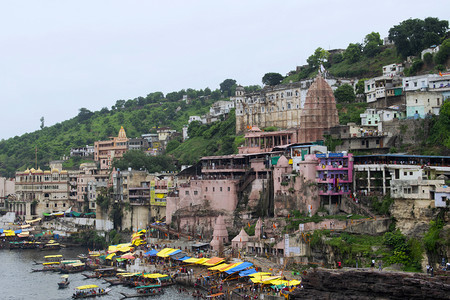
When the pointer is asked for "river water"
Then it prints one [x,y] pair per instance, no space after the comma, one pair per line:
[18,282]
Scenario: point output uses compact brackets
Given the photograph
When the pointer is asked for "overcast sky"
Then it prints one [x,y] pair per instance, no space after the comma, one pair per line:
[58,56]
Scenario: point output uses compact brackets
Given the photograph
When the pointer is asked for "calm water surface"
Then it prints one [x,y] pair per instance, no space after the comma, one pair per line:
[18,282]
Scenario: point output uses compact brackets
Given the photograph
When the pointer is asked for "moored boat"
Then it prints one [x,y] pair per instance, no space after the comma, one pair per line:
[87,291]
[144,293]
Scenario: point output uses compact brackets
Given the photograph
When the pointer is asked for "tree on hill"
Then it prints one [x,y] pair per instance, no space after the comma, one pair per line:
[226,86]
[272,79]
[443,53]
[372,43]
[440,133]
[353,52]
[413,35]
[319,57]
[344,93]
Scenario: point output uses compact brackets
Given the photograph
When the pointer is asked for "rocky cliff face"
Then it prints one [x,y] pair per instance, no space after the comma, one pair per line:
[413,216]
[367,284]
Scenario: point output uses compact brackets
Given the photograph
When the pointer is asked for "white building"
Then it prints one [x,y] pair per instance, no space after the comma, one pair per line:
[221,108]
[433,49]
[420,104]
[415,83]
[442,196]
[393,70]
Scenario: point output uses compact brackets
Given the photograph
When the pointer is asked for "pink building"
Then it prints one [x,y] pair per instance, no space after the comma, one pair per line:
[334,176]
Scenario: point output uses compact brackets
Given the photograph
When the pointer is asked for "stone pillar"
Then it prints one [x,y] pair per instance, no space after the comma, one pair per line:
[384,180]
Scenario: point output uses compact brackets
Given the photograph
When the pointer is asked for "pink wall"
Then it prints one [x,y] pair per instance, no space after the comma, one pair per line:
[221,195]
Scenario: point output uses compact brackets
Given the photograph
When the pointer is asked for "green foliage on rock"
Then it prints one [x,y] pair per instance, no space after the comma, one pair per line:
[349,112]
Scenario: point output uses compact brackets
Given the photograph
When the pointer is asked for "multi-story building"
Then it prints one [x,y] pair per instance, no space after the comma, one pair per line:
[137,144]
[378,173]
[88,183]
[334,177]
[39,192]
[416,83]
[383,88]
[83,152]
[145,193]
[106,151]
[420,104]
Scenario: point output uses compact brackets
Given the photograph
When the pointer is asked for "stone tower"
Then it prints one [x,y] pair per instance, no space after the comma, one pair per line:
[319,112]
[220,235]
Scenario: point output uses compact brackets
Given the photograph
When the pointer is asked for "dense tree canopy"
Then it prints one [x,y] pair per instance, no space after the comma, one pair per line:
[138,160]
[353,52]
[344,93]
[372,43]
[272,79]
[226,87]
[413,35]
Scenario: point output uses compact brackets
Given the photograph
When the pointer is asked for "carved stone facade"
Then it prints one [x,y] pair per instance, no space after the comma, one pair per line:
[319,112]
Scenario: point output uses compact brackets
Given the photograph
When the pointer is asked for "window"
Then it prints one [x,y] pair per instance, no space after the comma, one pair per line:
[410,173]
[438,102]
[416,100]
[378,142]
[214,189]
[229,189]
[415,84]
[46,205]
[195,192]
[64,205]
[186,192]
[206,189]
[56,204]
[362,143]
[405,173]
[220,188]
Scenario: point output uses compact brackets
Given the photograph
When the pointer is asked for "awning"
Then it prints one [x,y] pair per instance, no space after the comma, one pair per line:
[230,266]
[24,234]
[18,231]
[166,252]
[213,261]
[202,260]
[151,252]
[218,266]
[247,272]
[191,260]
[183,258]
[174,252]
[240,267]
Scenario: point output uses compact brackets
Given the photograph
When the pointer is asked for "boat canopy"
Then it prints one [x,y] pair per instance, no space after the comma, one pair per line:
[53,256]
[89,286]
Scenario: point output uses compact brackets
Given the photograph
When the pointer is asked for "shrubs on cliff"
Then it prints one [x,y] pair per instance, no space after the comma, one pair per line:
[407,253]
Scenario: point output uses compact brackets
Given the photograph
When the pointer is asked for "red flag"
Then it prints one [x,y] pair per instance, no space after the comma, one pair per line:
[274,226]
